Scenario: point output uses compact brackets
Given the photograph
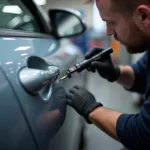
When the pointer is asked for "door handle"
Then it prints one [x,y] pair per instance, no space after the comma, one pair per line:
[38,81]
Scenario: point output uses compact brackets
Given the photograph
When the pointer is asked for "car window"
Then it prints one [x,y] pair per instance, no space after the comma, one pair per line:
[15,15]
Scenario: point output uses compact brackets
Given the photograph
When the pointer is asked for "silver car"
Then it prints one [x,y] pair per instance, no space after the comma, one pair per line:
[35,53]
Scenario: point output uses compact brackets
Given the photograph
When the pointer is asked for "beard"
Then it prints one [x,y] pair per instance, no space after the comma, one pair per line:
[137,41]
[136,48]
[132,49]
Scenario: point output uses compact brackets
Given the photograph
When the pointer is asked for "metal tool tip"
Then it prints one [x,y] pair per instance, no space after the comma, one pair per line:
[64,77]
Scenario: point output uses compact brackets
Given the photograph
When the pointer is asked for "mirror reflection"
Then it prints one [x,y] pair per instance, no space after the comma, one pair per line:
[67,24]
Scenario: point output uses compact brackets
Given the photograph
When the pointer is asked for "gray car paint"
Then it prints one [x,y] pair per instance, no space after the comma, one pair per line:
[14,131]
[36,110]
[45,125]
[44,118]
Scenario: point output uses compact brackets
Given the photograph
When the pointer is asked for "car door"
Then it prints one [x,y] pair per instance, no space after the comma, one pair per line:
[22,39]
[14,131]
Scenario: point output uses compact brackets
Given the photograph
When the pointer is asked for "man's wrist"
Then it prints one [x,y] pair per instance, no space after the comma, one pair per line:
[91,109]
[94,112]
[118,72]
[127,77]
[114,76]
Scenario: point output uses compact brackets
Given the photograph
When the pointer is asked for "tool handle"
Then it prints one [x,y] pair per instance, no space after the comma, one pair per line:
[105,52]
[86,63]
[83,65]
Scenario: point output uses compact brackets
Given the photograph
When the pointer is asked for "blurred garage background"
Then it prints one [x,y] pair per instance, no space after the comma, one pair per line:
[110,94]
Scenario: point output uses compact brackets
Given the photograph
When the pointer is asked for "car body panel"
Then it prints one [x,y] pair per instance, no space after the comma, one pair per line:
[45,118]
[14,131]
[43,125]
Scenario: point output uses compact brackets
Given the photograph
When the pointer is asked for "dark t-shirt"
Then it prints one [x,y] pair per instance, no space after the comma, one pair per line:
[134,130]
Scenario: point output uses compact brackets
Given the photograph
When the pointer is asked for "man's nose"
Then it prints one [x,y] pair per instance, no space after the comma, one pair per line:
[109,31]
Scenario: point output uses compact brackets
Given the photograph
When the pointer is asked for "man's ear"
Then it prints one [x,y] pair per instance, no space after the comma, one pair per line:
[142,15]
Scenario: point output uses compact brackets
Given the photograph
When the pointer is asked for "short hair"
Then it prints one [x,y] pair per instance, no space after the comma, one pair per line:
[125,6]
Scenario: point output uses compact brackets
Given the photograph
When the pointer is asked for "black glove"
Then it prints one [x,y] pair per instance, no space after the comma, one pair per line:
[59,95]
[105,66]
[59,91]
[82,101]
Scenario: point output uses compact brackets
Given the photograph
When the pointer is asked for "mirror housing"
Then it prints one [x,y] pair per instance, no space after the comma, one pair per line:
[66,22]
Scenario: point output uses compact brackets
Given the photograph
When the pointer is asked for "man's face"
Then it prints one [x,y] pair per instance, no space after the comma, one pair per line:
[123,28]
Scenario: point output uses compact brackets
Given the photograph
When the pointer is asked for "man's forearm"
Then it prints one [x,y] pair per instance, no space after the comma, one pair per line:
[106,120]
[126,78]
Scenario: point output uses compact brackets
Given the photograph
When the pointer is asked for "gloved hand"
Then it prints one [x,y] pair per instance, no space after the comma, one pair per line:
[59,91]
[82,101]
[59,94]
[105,66]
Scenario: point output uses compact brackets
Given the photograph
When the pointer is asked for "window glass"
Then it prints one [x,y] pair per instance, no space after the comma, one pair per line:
[14,15]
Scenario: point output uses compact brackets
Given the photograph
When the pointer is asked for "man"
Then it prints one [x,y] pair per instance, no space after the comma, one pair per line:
[129,22]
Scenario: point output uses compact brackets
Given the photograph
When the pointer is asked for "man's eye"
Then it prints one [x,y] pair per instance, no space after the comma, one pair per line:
[112,23]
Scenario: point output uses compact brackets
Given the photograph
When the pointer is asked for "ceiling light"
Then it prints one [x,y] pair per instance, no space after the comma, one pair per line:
[13,9]
[40,2]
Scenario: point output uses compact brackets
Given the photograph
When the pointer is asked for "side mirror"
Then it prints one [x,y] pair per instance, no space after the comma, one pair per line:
[66,23]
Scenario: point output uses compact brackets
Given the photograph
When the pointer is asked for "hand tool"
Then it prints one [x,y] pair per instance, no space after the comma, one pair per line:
[86,63]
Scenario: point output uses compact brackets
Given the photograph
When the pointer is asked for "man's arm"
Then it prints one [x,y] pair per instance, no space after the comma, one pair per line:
[106,120]
[133,77]
[127,77]
[131,130]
